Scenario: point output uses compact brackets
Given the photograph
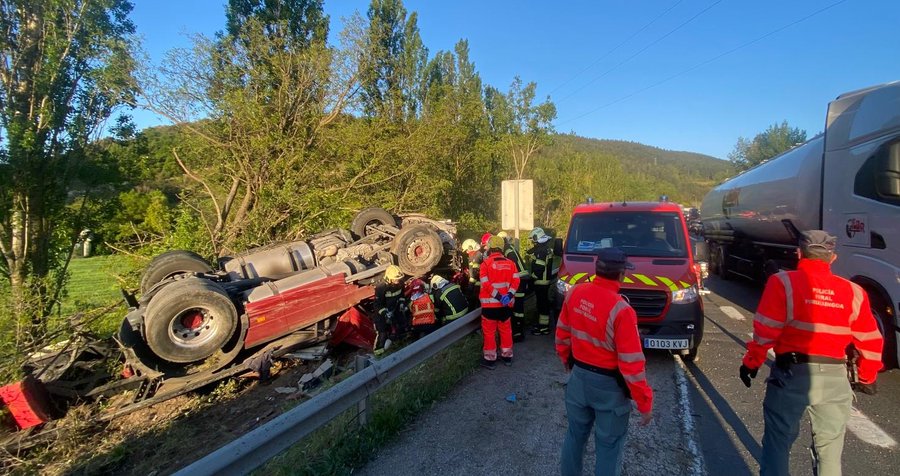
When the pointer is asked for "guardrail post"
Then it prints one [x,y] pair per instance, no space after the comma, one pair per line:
[362,361]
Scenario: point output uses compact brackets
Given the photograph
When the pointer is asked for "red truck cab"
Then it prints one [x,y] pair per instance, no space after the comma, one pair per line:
[664,288]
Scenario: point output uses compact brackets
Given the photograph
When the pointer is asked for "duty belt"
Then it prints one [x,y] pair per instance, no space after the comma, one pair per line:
[614,373]
[784,361]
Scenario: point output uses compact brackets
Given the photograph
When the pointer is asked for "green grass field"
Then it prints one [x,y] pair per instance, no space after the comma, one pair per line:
[95,283]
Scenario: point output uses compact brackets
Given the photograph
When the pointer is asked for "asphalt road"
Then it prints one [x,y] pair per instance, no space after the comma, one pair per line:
[729,418]
[706,421]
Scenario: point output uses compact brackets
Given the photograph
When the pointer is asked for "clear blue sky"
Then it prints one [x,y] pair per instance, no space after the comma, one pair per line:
[607,87]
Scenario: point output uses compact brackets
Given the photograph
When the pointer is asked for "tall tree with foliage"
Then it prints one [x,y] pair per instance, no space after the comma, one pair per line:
[521,124]
[776,139]
[66,65]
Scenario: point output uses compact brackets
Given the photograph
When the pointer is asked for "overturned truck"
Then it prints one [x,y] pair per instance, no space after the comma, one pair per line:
[192,325]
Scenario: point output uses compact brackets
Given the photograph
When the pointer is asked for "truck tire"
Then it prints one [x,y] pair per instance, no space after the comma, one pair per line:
[189,321]
[721,260]
[418,249]
[886,326]
[172,263]
[370,216]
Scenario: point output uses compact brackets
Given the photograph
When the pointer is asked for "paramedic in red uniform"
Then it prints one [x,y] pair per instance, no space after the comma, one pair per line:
[499,281]
[597,340]
[810,316]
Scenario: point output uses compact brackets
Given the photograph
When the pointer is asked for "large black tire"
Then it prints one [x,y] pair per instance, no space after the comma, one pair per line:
[370,216]
[886,326]
[721,260]
[172,263]
[418,249]
[188,321]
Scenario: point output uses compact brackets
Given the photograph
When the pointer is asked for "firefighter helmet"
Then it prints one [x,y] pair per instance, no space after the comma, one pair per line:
[416,286]
[438,281]
[496,243]
[503,235]
[538,235]
[393,274]
[484,239]
[470,245]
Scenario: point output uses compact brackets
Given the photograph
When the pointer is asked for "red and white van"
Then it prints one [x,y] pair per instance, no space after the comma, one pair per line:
[664,288]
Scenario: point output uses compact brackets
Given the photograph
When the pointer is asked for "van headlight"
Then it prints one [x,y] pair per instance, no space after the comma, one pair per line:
[684,296]
[562,287]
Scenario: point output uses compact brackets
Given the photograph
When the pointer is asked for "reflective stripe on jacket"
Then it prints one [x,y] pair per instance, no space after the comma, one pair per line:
[388,297]
[498,277]
[811,311]
[451,302]
[542,263]
[598,327]
[513,255]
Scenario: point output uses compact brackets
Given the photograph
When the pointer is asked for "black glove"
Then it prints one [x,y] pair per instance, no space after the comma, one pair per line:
[746,374]
[867,388]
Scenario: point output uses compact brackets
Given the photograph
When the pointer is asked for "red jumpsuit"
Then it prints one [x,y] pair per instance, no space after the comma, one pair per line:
[498,277]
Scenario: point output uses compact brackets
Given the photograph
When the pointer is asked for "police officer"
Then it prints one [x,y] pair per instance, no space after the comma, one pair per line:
[448,298]
[541,274]
[390,308]
[810,316]
[518,319]
[597,341]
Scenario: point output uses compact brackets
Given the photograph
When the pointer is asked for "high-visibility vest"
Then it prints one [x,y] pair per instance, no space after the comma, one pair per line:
[498,277]
[422,311]
[513,255]
[598,327]
[811,311]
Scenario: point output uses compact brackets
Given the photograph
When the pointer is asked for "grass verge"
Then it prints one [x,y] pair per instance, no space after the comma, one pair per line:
[341,446]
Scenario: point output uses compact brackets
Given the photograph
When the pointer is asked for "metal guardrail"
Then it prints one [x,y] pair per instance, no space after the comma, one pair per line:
[262,444]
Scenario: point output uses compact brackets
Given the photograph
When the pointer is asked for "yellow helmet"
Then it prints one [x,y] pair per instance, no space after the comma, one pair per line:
[495,242]
[503,235]
[393,273]
[470,245]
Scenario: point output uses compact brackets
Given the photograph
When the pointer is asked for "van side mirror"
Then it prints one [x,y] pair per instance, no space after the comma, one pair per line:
[701,251]
[887,179]
[557,246]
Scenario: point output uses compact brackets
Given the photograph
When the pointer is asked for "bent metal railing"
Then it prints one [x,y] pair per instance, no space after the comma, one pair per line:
[262,444]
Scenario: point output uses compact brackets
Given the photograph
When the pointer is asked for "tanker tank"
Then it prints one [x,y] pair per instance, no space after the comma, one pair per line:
[753,205]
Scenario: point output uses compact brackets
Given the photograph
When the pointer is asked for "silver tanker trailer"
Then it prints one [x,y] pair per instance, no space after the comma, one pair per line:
[845,181]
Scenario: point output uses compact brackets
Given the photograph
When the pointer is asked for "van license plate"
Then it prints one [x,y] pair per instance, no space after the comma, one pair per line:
[669,344]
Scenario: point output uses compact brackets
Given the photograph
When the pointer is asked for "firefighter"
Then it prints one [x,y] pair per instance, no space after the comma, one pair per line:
[421,309]
[541,274]
[810,317]
[597,340]
[518,319]
[390,308]
[449,300]
[474,259]
[498,290]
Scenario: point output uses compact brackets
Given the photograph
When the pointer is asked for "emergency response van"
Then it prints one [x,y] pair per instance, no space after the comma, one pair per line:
[664,288]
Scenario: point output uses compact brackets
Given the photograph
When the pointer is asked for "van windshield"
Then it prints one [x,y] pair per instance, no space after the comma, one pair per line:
[651,234]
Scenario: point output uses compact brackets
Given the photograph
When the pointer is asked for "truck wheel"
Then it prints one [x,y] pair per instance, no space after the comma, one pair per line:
[172,263]
[885,323]
[418,249]
[722,263]
[370,216]
[189,321]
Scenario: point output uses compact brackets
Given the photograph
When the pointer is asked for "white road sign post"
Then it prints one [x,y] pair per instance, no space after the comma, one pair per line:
[517,209]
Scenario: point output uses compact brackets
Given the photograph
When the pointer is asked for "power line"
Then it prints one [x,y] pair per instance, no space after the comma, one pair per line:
[598,60]
[610,70]
[700,65]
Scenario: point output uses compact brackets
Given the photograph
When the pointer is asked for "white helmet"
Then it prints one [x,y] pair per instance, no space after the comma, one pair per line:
[470,245]
[438,281]
[538,236]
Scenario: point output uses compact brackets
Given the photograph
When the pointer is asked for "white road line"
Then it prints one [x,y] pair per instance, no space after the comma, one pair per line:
[867,430]
[697,465]
[732,313]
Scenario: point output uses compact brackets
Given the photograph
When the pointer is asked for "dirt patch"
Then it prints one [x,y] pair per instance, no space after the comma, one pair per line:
[169,435]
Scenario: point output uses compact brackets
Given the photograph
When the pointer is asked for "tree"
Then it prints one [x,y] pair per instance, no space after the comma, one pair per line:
[776,139]
[66,65]
[520,124]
